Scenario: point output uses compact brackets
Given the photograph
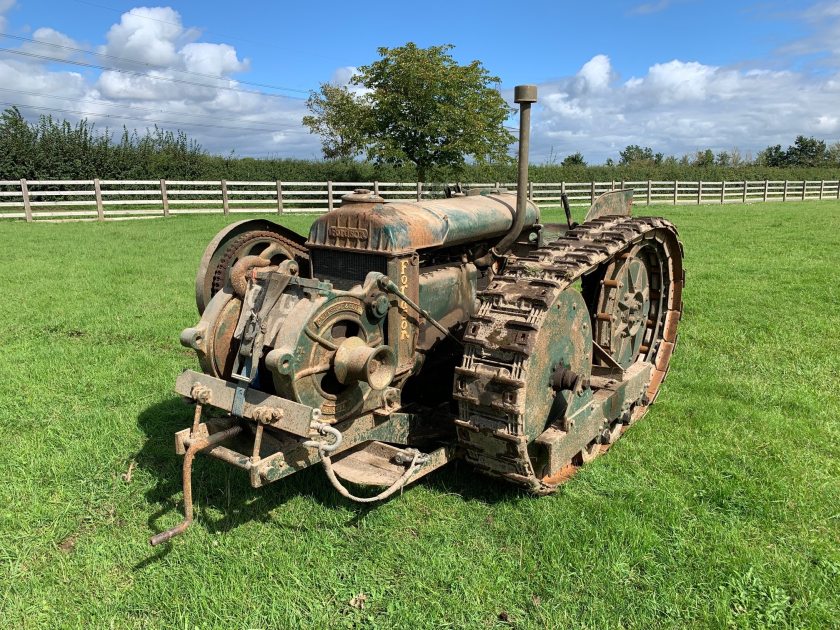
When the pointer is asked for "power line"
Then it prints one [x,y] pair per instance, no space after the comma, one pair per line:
[140,74]
[269,127]
[156,122]
[150,65]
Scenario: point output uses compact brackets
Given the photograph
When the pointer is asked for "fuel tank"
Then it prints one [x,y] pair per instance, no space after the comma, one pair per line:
[366,222]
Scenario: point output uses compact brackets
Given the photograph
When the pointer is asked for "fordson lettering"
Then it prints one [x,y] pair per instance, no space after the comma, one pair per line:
[347,232]
[403,306]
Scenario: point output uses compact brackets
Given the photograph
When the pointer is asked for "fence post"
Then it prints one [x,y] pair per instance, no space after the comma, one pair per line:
[164,198]
[744,200]
[838,188]
[699,191]
[419,191]
[562,188]
[766,188]
[622,184]
[530,190]
[676,182]
[225,204]
[27,207]
[649,191]
[822,188]
[784,193]
[722,192]
[329,196]
[592,193]
[804,186]
[375,187]
[97,191]
[279,186]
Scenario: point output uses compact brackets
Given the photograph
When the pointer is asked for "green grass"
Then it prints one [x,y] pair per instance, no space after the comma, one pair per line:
[721,508]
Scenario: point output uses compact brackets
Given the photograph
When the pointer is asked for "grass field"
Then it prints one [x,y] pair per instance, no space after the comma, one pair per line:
[721,508]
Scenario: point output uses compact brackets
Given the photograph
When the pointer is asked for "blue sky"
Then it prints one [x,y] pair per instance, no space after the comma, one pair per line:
[676,75]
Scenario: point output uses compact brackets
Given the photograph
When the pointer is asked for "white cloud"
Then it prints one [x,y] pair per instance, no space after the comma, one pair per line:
[682,106]
[343,75]
[146,34]
[676,106]
[51,43]
[823,18]
[212,59]
[596,73]
[220,113]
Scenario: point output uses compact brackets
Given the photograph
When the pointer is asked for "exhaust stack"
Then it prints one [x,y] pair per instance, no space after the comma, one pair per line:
[524,95]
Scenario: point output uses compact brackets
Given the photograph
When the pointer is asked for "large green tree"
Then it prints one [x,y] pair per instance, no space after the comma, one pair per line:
[417,106]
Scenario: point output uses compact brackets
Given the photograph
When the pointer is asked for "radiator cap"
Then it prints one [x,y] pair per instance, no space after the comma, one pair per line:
[361,195]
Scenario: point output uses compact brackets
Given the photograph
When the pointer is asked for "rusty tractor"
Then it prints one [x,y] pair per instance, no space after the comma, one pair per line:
[399,336]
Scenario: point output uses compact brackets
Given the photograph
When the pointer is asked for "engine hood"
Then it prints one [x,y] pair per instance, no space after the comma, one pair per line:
[402,227]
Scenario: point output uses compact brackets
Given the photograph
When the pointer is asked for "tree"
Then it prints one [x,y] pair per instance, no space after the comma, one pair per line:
[420,107]
[574,159]
[807,152]
[634,154]
[833,154]
[704,158]
[340,118]
[17,145]
[773,156]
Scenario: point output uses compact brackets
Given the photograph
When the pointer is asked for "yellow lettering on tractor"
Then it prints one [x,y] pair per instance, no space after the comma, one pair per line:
[403,306]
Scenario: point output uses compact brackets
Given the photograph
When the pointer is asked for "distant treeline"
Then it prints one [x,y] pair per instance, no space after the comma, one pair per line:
[56,149]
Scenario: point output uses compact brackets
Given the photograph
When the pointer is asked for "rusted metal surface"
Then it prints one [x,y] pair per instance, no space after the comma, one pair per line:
[348,350]
[504,356]
[240,239]
[524,95]
[615,203]
[275,411]
[407,227]
[196,444]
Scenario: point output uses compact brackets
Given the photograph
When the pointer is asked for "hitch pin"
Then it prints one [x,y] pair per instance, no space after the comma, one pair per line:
[195,445]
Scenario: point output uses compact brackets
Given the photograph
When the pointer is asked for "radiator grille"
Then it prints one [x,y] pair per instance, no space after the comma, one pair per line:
[343,268]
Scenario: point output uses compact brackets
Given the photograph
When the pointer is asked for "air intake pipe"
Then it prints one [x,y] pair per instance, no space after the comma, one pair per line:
[524,95]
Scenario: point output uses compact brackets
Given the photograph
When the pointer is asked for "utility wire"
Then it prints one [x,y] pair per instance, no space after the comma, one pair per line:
[156,122]
[150,65]
[140,74]
[269,127]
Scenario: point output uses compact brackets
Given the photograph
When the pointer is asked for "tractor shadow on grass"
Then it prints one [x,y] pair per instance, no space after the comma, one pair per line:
[219,487]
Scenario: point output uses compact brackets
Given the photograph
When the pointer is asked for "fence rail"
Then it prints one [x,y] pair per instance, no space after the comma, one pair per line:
[106,198]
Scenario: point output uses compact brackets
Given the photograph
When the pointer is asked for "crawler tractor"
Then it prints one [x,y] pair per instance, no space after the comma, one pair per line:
[400,336]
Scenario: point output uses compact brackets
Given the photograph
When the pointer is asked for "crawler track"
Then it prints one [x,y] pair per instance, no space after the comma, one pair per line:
[500,344]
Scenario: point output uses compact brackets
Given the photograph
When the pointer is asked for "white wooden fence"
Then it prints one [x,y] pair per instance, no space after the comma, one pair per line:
[103,199]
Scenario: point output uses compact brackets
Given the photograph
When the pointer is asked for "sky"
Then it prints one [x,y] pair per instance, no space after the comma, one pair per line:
[675,75]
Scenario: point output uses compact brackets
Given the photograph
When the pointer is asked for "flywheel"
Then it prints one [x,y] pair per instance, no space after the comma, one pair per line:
[256,237]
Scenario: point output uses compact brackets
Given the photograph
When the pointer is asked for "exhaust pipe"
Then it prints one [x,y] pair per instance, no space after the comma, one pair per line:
[524,95]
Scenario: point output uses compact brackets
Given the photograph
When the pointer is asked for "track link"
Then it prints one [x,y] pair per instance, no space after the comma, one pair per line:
[500,339]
